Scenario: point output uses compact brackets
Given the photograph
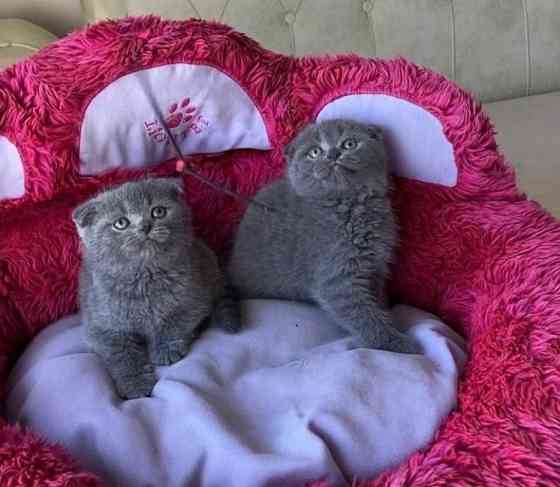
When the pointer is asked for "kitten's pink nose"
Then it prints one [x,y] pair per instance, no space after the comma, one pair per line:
[146,228]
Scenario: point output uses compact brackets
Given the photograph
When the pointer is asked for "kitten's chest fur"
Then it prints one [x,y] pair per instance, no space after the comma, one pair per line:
[146,299]
[358,230]
[352,224]
[285,254]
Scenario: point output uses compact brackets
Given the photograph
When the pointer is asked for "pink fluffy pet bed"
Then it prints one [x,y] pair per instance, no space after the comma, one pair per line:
[87,113]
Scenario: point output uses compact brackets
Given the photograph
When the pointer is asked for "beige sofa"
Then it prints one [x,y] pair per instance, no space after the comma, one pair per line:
[507,52]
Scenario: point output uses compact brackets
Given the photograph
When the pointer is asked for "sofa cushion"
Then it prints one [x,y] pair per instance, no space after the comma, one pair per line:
[528,135]
[19,39]
[497,50]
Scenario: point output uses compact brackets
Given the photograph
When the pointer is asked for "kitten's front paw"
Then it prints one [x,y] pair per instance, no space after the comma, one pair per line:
[170,352]
[231,326]
[228,321]
[400,343]
[137,386]
[227,316]
[405,345]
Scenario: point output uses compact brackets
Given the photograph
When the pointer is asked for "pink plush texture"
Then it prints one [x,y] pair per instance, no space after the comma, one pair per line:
[26,460]
[479,254]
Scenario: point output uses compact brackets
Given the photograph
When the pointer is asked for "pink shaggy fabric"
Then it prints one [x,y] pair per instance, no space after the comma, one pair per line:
[479,254]
[26,460]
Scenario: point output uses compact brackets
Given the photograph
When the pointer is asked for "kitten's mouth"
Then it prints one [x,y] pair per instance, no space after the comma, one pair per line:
[322,172]
[146,247]
[341,179]
[153,243]
[333,169]
[345,167]
[158,235]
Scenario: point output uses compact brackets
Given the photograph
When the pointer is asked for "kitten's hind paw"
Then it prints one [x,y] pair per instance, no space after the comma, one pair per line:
[137,386]
[170,352]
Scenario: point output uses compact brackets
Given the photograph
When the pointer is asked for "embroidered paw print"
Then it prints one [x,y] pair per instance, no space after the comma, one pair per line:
[180,114]
[182,119]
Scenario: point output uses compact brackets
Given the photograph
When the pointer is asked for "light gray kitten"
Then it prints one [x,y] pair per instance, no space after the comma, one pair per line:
[333,236]
[146,283]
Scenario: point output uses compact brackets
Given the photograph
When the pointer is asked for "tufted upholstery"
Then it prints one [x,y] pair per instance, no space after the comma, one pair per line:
[19,38]
[497,49]
[57,16]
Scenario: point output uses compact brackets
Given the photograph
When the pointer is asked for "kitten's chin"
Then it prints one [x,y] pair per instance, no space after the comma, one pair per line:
[148,252]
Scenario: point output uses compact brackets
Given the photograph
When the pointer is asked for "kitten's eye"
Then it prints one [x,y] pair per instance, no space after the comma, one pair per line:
[314,152]
[121,223]
[349,144]
[159,211]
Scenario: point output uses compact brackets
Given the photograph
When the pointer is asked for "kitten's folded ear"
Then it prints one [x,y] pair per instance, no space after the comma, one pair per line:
[175,185]
[375,132]
[85,214]
[290,149]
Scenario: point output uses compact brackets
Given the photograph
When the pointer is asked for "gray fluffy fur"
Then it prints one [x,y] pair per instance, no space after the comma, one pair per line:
[145,289]
[334,234]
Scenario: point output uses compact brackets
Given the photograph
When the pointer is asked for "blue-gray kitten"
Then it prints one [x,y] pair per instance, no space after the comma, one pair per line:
[146,283]
[333,236]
